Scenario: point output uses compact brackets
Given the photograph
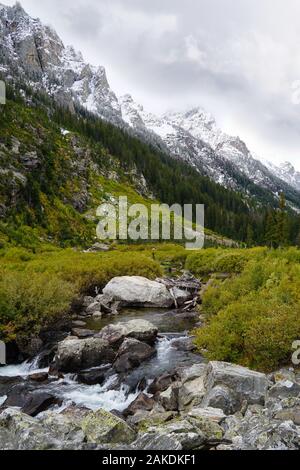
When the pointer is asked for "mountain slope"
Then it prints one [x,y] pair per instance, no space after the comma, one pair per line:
[36,54]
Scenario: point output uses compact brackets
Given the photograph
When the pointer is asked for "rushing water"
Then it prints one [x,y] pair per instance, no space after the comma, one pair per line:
[112,394]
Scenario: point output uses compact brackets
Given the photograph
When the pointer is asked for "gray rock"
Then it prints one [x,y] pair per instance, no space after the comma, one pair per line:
[141,330]
[221,397]
[141,403]
[138,291]
[284,389]
[92,308]
[241,384]
[169,398]
[76,354]
[214,414]
[131,354]
[102,427]
[191,393]
[82,333]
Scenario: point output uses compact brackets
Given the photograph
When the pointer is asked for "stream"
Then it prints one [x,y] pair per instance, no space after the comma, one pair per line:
[117,392]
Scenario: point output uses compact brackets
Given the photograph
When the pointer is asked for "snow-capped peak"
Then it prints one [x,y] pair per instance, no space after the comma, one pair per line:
[35,53]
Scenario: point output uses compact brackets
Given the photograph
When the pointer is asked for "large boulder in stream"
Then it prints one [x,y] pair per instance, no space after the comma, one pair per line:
[136,291]
[131,354]
[141,330]
[76,354]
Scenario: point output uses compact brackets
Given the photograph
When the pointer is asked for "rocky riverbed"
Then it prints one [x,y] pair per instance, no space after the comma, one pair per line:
[126,376]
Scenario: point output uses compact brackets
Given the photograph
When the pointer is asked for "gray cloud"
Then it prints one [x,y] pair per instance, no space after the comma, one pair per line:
[236,59]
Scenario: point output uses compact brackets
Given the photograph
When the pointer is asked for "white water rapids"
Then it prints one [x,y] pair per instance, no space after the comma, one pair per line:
[110,395]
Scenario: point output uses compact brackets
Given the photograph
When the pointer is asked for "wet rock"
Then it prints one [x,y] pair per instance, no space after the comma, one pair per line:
[88,301]
[18,395]
[7,383]
[184,344]
[39,377]
[38,402]
[102,427]
[93,308]
[92,377]
[140,330]
[82,333]
[160,384]
[142,402]
[79,324]
[75,354]
[131,354]
[138,291]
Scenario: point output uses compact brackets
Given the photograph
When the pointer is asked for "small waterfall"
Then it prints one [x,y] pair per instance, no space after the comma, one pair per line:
[22,370]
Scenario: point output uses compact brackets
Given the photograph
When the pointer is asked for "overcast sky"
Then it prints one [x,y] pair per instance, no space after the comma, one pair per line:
[240,60]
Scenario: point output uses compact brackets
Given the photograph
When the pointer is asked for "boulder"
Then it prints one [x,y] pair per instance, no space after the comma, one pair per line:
[30,400]
[131,354]
[135,291]
[82,333]
[78,324]
[39,377]
[221,397]
[235,384]
[169,398]
[213,414]
[92,377]
[161,383]
[187,433]
[7,383]
[141,330]
[38,402]
[102,427]
[92,308]
[284,389]
[191,393]
[142,402]
[75,354]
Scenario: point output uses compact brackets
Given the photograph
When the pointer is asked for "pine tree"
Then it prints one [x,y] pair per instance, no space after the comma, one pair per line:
[270,230]
[282,223]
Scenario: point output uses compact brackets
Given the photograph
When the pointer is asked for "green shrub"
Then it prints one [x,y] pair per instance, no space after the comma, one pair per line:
[37,289]
[253,318]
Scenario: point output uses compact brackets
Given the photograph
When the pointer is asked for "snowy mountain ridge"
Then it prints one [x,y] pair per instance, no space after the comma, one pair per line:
[34,52]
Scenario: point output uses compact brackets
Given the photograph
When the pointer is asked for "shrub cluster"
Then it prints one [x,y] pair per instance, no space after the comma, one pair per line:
[253,318]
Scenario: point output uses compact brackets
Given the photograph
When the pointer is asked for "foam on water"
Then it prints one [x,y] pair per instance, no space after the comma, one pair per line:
[22,370]
[110,395]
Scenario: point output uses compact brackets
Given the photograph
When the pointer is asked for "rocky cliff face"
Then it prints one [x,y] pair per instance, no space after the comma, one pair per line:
[33,52]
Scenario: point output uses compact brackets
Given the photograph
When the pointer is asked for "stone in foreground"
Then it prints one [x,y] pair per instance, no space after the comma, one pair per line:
[103,427]
[240,384]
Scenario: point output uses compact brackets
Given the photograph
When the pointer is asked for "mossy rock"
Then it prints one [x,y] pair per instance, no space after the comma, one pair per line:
[102,427]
